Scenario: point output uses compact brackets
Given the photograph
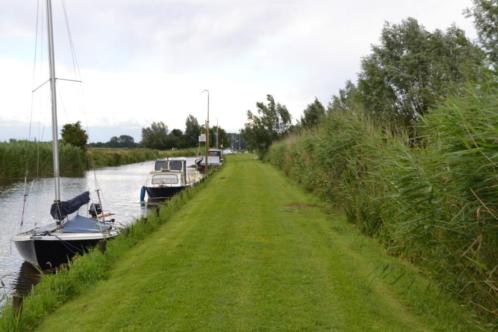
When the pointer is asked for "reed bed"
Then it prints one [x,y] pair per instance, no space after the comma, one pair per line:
[35,159]
[435,204]
[103,157]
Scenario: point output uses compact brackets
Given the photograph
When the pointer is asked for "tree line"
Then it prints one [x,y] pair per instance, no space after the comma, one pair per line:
[155,136]
[409,72]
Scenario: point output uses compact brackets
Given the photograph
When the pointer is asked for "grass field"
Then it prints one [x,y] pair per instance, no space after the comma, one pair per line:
[253,252]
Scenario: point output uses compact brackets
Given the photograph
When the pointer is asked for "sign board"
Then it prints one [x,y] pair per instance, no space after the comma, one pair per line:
[202,138]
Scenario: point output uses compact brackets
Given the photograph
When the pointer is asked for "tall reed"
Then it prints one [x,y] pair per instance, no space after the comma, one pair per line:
[102,157]
[36,158]
[436,203]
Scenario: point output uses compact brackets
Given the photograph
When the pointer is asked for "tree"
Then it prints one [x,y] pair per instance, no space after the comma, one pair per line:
[485,13]
[73,134]
[272,122]
[123,141]
[347,99]
[155,136]
[223,139]
[192,131]
[175,139]
[313,114]
[413,69]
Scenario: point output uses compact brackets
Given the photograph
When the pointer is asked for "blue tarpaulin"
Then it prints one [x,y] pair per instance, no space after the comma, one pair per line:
[60,210]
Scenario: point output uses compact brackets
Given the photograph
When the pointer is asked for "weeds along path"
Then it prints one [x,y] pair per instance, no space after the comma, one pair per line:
[253,251]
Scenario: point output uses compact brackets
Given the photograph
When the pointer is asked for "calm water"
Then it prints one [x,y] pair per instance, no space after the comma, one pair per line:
[120,193]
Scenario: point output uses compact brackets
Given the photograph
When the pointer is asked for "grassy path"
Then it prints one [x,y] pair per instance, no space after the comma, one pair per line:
[253,252]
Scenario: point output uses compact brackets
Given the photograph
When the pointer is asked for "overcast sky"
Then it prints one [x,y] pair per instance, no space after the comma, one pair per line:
[149,60]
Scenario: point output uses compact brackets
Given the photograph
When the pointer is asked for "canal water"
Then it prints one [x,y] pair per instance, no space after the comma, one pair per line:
[120,194]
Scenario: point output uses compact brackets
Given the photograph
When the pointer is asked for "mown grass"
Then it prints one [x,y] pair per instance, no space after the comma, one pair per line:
[21,158]
[85,271]
[251,251]
[435,203]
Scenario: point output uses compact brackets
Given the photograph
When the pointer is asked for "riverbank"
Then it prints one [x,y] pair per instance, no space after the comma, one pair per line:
[250,251]
[36,158]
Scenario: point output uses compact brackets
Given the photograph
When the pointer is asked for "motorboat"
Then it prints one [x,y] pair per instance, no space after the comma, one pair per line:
[170,176]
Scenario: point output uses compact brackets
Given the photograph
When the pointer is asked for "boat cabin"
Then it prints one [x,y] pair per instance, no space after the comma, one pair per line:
[216,153]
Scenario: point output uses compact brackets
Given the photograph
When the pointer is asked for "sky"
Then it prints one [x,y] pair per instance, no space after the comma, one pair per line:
[148,60]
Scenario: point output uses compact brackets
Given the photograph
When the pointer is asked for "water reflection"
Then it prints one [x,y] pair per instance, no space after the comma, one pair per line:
[27,277]
[120,194]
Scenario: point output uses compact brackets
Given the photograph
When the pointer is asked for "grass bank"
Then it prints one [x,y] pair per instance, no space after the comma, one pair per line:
[36,158]
[85,271]
[251,251]
[435,204]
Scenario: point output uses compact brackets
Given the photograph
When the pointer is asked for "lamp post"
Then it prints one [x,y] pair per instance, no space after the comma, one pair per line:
[207,130]
[217,135]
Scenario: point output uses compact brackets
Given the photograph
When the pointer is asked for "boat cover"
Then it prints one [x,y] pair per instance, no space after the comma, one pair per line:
[80,224]
[60,210]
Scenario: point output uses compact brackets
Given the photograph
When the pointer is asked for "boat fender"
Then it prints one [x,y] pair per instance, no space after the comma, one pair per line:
[142,194]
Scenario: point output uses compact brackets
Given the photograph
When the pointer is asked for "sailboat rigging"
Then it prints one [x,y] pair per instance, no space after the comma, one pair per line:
[56,243]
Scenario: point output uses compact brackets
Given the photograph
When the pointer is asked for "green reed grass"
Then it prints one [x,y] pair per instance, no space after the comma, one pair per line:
[21,158]
[36,158]
[436,203]
[103,157]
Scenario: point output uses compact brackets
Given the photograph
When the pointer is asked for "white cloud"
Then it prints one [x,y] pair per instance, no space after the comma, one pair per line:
[146,61]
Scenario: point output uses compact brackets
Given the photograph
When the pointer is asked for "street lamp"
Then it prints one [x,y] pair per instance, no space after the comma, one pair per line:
[207,130]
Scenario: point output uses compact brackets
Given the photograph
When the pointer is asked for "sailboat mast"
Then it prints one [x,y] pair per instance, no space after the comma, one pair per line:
[53,98]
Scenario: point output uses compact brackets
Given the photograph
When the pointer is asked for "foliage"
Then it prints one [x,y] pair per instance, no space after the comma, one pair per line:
[175,139]
[435,204]
[155,136]
[271,122]
[73,134]
[414,69]
[123,141]
[223,140]
[192,131]
[313,114]
[348,99]
[485,14]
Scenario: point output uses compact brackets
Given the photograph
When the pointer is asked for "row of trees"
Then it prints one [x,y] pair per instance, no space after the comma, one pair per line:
[156,136]
[408,73]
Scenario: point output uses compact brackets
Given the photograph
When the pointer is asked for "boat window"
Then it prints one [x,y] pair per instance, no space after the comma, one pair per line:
[160,165]
[214,153]
[176,165]
[165,179]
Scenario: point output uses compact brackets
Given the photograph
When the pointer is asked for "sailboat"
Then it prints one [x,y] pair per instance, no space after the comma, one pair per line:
[56,243]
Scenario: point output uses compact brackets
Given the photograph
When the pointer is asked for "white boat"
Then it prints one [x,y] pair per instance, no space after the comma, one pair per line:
[67,234]
[170,176]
